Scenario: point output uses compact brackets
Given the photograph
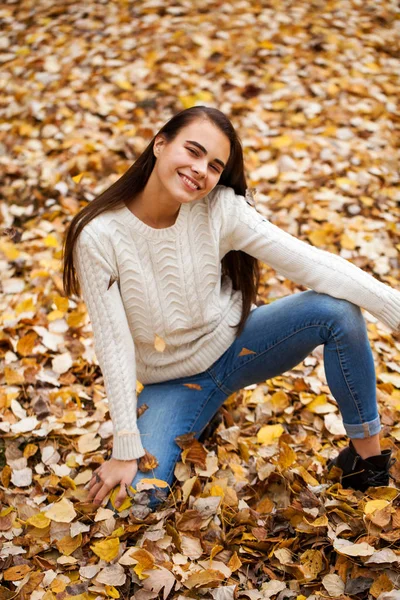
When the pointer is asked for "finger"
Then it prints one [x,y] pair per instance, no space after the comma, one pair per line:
[93,491]
[95,479]
[101,494]
[121,494]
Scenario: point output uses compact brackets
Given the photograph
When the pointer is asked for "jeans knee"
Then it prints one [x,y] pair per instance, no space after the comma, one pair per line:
[344,313]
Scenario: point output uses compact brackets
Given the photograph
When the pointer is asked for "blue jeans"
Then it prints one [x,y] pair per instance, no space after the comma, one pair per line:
[280,335]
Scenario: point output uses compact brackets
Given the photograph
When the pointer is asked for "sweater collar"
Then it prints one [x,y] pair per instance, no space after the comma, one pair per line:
[151,232]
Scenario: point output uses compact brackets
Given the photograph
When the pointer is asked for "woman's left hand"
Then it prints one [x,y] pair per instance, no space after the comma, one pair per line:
[108,475]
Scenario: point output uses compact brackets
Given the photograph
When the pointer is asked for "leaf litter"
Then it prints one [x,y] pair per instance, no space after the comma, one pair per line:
[313,89]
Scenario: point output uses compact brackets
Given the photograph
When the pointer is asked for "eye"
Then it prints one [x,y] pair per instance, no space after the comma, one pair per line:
[196,154]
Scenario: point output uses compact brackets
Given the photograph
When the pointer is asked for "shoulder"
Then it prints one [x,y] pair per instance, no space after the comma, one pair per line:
[97,230]
[95,240]
[220,197]
[225,199]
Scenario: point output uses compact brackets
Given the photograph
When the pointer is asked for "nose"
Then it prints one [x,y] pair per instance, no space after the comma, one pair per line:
[200,167]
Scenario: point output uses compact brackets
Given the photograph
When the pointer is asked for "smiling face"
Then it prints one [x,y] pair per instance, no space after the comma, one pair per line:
[199,152]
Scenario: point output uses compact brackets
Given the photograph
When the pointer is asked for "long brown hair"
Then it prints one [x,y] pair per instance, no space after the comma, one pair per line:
[243,269]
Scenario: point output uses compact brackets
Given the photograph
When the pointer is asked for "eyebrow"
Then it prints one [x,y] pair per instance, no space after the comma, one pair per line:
[217,160]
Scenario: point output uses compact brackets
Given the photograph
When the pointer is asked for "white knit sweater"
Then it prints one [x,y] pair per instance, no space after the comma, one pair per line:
[139,282]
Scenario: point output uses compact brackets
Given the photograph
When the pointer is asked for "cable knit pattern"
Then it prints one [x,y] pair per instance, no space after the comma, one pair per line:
[168,284]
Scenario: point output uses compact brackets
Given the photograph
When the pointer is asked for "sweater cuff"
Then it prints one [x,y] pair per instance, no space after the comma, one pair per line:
[391,311]
[127,446]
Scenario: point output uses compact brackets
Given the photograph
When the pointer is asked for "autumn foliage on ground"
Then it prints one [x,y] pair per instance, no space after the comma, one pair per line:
[312,88]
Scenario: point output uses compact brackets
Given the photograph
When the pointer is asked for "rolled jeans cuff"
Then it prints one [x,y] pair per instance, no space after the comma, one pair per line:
[363,430]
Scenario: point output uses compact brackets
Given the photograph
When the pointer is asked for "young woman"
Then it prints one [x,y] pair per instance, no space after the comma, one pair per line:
[167,262]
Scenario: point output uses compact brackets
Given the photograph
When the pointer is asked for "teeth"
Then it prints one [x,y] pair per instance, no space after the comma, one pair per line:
[189,182]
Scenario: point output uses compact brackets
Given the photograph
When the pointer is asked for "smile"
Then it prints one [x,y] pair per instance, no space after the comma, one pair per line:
[189,184]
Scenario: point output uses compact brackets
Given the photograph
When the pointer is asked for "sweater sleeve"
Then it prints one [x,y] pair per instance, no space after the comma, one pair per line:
[113,342]
[243,228]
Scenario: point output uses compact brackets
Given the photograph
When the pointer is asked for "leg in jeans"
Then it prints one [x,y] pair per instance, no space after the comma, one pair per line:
[173,410]
[284,332]
[281,335]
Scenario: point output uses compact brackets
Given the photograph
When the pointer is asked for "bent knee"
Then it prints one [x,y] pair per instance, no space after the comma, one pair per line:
[341,311]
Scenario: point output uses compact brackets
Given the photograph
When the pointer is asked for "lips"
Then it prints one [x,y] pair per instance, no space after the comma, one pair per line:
[191,179]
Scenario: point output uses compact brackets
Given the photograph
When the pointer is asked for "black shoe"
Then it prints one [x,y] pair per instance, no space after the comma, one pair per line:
[359,473]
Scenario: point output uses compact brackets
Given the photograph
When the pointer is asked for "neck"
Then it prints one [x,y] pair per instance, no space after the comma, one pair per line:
[154,206]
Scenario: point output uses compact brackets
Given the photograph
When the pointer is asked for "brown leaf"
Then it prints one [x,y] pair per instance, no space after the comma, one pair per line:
[16,573]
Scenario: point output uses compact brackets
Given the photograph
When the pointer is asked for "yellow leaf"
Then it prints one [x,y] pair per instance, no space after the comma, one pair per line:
[308,478]
[268,434]
[77,178]
[279,104]
[158,482]
[374,505]
[318,237]
[61,303]
[315,404]
[238,471]
[217,490]
[58,585]
[125,504]
[367,200]
[67,545]
[30,450]
[26,343]
[287,456]
[279,401]
[204,96]
[332,89]
[187,101]
[54,315]
[281,141]
[75,318]
[319,522]
[139,571]
[267,44]
[67,483]
[124,84]
[9,249]
[13,377]
[277,85]
[106,549]
[384,493]
[373,67]
[330,131]
[62,511]
[145,562]
[311,563]
[39,520]
[159,343]
[6,511]
[112,592]
[51,241]
[118,532]
[347,242]
[26,305]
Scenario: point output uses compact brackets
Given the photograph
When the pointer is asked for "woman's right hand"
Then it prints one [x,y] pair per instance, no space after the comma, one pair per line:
[110,474]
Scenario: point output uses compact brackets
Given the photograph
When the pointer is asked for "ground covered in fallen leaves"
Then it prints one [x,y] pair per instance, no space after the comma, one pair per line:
[312,87]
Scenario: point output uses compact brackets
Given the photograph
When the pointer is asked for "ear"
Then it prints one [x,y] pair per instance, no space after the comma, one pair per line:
[158,145]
